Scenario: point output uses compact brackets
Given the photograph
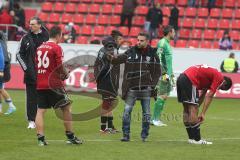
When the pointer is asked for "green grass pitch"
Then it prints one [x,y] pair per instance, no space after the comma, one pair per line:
[222,126]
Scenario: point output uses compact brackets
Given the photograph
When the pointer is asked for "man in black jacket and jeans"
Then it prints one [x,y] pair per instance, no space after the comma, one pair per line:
[141,74]
[26,58]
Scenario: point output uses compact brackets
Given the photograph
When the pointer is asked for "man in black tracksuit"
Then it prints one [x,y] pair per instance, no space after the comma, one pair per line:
[107,78]
[26,58]
[141,74]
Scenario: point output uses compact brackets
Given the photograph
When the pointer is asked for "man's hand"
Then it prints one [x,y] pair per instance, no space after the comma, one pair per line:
[201,118]
[1,74]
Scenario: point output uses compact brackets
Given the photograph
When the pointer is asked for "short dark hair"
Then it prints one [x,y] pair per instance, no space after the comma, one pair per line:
[167,29]
[115,34]
[54,31]
[39,21]
[227,84]
[145,34]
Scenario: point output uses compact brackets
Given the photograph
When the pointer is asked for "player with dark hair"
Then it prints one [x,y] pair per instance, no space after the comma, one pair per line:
[107,78]
[198,78]
[166,81]
[50,87]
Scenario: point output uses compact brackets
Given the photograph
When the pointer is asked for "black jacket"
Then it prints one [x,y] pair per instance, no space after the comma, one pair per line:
[173,20]
[106,74]
[27,51]
[142,69]
[155,17]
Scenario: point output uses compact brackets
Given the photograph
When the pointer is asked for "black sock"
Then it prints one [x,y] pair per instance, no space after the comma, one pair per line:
[103,122]
[110,122]
[189,130]
[41,137]
[196,131]
[69,134]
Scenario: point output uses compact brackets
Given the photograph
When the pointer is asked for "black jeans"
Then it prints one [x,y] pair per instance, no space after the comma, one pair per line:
[31,101]
[129,19]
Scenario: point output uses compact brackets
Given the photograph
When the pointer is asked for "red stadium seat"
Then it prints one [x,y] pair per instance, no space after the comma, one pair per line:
[94,9]
[227,13]
[209,34]
[166,11]
[224,24]
[82,40]
[109,29]
[141,10]
[193,44]
[237,13]
[215,12]
[98,1]
[90,19]
[219,3]
[70,8]
[78,19]
[165,21]
[212,24]
[236,24]
[154,42]
[54,18]
[181,44]
[202,12]
[187,23]
[74,1]
[62,26]
[43,16]
[120,1]
[184,33]
[142,2]
[103,20]
[107,9]
[182,2]
[236,45]
[200,23]
[123,30]
[110,1]
[215,45]
[235,35]
[181,11]
[82,8]
[138,20]
[49,25]
[117,9]
[170,2]
[86,1]
[77,28]
[59,7]
[196,34]
[98,31]
[66,18]
[134,31]
[133,41]
[190,12]
[47,7]
[219,34]
[115,20]
[86,30]
[206,44]
[230,3]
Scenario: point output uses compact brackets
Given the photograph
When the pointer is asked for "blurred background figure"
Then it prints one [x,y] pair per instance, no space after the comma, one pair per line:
[230,64]
[19,15]
[69,33]
[155,18]
[225,43]
[173,21]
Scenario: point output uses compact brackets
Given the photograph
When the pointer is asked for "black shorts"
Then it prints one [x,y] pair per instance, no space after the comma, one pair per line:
[186,91]
[52,98]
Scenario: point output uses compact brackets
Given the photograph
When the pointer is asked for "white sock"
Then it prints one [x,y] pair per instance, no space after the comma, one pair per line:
[9,102]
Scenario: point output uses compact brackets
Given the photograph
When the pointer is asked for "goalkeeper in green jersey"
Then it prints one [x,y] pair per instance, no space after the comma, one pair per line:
[166,81]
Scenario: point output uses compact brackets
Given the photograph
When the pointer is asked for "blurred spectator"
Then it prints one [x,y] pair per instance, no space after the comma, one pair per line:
[6,18]
[211,4]
[225,42]
[19,34]
[149,2]
[19,15]
[230,65]
[173,20]
[69,33]
[128,12]
[155,17]
[191,3]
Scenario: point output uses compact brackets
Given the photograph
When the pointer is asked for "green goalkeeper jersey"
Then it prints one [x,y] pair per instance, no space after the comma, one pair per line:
[164,51]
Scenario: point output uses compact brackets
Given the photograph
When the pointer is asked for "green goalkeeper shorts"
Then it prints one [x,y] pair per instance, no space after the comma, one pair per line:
[164,88]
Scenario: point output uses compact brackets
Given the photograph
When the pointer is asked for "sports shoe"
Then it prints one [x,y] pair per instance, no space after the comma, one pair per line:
[192,141]
[42,143]
[10,110]
[31,125]
[158,123]
[75,140]
[125,138]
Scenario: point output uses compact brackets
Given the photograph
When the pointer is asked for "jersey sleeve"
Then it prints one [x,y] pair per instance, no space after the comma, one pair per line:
[168,58]
[217,81]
